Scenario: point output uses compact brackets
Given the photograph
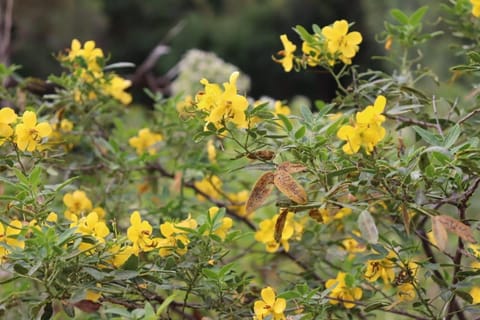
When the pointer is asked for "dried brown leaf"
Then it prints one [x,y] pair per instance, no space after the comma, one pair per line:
[289,187]
[280,225]
[87,306]
[439,233]
[291,167]
[260,192]
[261,155]
[457,227]
[406,219]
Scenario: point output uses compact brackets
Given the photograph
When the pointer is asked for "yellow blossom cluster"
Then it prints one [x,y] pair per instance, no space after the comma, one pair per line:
[222,106]
[175,237]
[90,225]
[367,131]
[88,61]
[210,186]
[266,234]
[341,292]
[146,141]
[28,135]
[326,48]
[8,236]
[220,229]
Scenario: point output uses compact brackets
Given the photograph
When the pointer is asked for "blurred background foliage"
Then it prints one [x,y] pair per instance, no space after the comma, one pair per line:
[242,32]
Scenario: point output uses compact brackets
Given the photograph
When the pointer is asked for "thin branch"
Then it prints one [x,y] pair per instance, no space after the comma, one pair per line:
[411,121]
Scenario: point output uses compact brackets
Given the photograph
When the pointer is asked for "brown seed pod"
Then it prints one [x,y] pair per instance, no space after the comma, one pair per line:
[291,167]
[280,225]
[439,233]
[289,187]
[260,192]
[457,227]
[261,155]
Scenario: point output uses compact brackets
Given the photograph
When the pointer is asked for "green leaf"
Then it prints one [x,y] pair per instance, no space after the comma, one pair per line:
[300,132]
[210,274]
[303,33]
[417,16]
[399,16]
[375,306]
[452,136]
[426,135]
[286,122]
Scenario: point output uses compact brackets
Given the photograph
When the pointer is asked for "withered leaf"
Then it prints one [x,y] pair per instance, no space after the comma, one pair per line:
[439,233]
[289,187]
[87,306]
[406,218]
[457,227]
[280,224]
[367,227]
[262,189]
[291,167]
[261,155]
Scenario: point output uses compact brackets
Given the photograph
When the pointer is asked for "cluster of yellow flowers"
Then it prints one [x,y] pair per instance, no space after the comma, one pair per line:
[28,135]
[367,130]
[291,231]
[341,292]
[146,141]
[270,305]
[8,236]
[222,106]
[88,62]
[325,48]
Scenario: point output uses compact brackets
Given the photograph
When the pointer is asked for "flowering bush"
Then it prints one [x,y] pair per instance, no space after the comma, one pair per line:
[220,206]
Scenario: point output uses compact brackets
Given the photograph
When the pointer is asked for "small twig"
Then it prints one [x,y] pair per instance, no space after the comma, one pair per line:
[411,121]
[434,105]
[468,116]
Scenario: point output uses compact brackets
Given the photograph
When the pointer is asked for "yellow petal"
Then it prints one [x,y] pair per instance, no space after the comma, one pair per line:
[268,295]
[29,118]
[7,115]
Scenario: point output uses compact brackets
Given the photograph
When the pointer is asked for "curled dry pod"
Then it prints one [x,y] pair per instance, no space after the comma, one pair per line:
[261,155]
[260,192]
[439,233]
[289,187]
[280,225]
[457,227]
[291,167]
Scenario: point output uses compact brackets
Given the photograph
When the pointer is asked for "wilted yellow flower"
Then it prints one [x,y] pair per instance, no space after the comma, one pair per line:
[28,133]
[8,235]
[146,141]
[383,268]
[7,116]
[287,53]
[269,305]
[342,292]
[406,292]
[77,204]
[340,42]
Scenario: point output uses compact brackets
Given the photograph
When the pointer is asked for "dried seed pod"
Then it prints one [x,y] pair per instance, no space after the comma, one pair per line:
[262,189]
[439,233]
[291,167]
[280,225]
[261,155]
[457,227]
[289,187]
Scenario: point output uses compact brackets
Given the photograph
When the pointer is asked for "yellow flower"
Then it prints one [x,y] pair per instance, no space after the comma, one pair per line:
[120,254]
[381,269]
[266,232]
[211,151]
[66,125]
[176,239]
[226,224]
[7,116]
[475,293]
[211,186]
[223,106]
[475,8]
[116,88]
[287,53]
[93,295]
[91,226]
[279,108]
[367,131]
[145,141]
[269,305]
[352,246]
[140,234]
[88,53]
[238,201]
[341,291]
[340,42]
[311,54]
[77,204]
[406,292]
[52,217]
[28,133]
[185,107]
[8,235]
